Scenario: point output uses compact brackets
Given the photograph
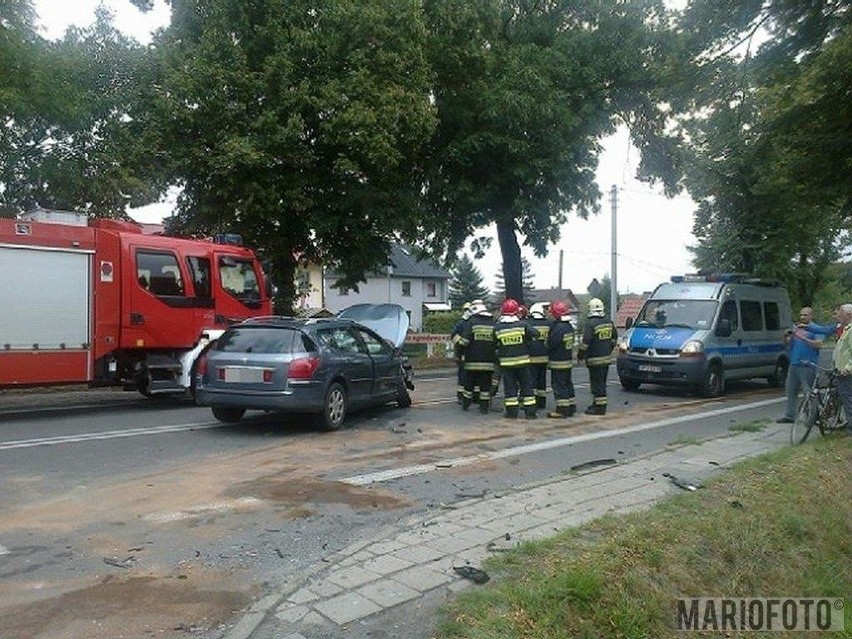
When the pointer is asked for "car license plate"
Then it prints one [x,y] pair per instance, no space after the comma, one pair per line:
[244,374]
[648,368]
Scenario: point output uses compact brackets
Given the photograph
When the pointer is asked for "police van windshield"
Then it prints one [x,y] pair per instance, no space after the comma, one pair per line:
[239,280]
[694,314]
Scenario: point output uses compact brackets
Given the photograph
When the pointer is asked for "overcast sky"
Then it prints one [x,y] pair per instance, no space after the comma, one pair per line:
[652,231]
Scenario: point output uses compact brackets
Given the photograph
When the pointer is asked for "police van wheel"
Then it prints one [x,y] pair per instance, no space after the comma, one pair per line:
[629,384]
[714,382]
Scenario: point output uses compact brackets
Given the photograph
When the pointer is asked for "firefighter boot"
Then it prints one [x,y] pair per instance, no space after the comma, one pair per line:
[557,414]
[465,403]
[484,407]
[541,403]
[530,413]
[512,413]
[596,410]
[570,410]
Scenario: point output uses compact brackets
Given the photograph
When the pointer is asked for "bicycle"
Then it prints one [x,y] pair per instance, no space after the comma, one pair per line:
[821,407]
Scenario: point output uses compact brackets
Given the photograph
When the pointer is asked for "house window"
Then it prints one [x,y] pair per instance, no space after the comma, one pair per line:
[406,289]
[431,289]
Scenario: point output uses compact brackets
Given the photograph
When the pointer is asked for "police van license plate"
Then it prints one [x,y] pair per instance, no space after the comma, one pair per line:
[648,368]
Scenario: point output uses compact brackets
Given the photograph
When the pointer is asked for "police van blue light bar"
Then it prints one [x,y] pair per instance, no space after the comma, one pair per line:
[722,278]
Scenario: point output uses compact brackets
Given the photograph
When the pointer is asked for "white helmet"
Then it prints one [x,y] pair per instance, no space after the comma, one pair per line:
[477,307]
[596,307]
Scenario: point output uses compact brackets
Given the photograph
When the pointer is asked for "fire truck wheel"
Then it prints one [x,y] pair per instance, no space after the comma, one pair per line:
[227,414]
[334,410]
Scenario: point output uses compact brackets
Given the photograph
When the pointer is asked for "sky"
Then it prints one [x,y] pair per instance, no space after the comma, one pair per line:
[652,231]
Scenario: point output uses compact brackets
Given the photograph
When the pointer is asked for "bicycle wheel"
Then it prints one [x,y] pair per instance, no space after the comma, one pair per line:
[832,417]
[805,419]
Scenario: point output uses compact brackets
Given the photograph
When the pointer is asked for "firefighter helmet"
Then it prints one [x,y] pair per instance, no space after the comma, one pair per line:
[478,308]
[510,307]
[558,309]
[596,308]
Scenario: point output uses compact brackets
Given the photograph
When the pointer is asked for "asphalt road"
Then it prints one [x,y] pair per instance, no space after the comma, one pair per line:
[131,517]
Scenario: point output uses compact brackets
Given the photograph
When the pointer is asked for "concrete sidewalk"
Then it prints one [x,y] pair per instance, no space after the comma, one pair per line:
[414,563]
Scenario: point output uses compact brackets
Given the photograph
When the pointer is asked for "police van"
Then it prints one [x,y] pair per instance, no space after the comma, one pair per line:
[702,331]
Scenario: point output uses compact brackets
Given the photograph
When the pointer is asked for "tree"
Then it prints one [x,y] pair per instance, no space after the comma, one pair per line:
[524,90]
[466,283]
[526,296]
[67,139]
[297,124]
[769,138]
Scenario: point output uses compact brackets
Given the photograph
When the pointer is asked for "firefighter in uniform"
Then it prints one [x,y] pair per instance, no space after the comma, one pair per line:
[455,336]
[477,340]
[599,339]
[512,338]
[560,348]
[538,357]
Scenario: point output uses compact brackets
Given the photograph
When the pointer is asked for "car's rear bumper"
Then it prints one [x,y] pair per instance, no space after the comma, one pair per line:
[306,397]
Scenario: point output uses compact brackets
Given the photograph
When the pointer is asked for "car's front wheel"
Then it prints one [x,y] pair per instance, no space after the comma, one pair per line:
[334,408]
[227,414]
[629,384]
[714,382]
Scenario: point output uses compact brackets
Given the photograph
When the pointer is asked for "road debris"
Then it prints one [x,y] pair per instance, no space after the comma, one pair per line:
[127,562]
[476,575]
[682,483]
[593,464]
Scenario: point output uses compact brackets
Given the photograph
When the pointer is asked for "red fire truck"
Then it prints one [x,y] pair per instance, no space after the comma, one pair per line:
[105,302]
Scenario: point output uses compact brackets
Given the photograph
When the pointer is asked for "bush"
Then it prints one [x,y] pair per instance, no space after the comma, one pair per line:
[441,323]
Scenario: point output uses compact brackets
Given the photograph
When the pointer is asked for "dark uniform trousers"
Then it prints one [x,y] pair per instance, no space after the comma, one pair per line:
[563,390]
[597,382]
[517,389]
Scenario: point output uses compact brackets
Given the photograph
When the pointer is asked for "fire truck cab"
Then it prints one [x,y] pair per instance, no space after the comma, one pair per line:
[106,301]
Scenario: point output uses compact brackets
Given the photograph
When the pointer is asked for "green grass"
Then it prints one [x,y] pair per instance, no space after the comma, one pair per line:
[753,426]
[779,525]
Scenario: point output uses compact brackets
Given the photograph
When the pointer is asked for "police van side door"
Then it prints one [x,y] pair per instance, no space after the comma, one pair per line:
[728,347]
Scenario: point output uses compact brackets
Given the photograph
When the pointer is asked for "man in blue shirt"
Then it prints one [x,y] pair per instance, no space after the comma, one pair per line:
[805,341]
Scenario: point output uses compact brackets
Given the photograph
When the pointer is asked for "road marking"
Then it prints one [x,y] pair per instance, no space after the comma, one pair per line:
[420,469]
[3,550]
[107,434]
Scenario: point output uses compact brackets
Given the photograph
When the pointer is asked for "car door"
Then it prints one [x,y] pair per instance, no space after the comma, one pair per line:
[385,364]
[353,362]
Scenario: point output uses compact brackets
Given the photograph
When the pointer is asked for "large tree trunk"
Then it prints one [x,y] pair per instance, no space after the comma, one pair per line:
[511,252]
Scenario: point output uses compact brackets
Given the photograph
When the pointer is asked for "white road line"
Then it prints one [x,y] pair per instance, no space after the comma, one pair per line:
[408,471]
[3,550]
[107,434]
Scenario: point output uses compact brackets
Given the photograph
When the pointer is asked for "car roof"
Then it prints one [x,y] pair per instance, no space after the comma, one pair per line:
[285,321]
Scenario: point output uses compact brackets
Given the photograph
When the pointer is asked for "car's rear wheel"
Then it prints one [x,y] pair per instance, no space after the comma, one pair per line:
[228,414]
[334,408]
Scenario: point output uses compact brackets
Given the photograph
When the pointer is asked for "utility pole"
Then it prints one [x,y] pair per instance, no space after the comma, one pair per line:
[613,289]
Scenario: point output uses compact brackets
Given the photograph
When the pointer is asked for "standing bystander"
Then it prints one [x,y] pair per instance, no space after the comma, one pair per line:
[843,363]
[805,340]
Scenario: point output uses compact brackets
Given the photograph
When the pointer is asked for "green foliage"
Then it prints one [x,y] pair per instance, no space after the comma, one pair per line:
[523,91]
[68,139]
[440,323]
[769,135]
[466,283]
[297,122]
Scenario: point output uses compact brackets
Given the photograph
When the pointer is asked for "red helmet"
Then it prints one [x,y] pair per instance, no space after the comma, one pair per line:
[523,311]
[558,309]
[510,307]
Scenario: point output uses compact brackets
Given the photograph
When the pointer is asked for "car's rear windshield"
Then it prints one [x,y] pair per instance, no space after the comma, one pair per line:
[259,339]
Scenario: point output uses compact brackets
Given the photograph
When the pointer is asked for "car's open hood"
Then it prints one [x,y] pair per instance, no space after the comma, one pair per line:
[388,320]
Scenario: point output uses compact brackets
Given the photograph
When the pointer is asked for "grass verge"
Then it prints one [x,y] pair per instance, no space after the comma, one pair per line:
[779,525]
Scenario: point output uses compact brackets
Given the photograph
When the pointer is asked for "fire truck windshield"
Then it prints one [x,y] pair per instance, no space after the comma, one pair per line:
[239,280]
